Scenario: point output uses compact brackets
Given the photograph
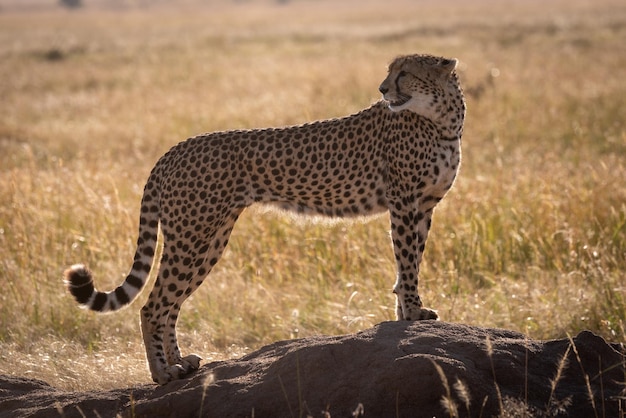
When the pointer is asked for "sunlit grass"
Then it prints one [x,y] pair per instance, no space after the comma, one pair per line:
[532,237]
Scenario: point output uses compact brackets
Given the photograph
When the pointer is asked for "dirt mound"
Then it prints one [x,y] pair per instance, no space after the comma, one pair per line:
[404,369]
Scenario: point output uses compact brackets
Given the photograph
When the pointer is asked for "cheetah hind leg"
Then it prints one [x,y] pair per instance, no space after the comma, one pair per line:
[162,370]
[165,344]
[158,326]
[188,363]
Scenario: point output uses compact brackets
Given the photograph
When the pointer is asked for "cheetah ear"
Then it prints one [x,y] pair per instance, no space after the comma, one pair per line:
[446,66]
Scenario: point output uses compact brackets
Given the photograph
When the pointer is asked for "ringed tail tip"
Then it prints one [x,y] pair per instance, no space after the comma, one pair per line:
[79,281]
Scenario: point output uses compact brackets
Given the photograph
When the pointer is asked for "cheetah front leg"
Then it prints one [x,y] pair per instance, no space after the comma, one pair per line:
[409,230]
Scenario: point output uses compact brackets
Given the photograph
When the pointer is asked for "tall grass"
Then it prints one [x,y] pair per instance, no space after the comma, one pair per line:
[532,237]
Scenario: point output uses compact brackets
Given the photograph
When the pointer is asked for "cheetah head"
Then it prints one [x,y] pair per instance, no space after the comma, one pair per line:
[419,83]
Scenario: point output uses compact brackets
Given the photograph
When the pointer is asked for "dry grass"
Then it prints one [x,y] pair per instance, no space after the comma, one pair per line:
[532,237]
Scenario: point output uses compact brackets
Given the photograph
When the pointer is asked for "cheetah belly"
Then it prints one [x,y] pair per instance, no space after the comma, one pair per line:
[335,198]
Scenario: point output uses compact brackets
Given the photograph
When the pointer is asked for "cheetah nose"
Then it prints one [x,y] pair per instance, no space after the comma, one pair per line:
[383,89]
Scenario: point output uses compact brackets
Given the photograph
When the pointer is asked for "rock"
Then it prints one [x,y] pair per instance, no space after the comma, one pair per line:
[396,369]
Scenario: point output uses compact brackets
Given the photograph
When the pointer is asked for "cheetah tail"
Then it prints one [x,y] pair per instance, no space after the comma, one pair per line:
[79,281]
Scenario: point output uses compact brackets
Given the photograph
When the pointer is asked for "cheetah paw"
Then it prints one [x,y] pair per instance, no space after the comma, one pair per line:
[177,371]
[168,374]
[190,363]
[421,314]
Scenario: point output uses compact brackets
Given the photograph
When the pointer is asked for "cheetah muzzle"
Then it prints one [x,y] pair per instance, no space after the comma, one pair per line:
[399,155]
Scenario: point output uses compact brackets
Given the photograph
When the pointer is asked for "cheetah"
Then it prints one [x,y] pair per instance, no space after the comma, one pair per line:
[400,155]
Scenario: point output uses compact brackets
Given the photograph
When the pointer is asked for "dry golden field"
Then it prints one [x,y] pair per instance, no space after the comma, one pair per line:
[532,237]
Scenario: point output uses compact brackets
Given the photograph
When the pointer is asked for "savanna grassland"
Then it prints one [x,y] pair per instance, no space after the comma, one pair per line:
[532,237]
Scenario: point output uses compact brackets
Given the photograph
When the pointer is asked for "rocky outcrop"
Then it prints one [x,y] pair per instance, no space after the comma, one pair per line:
[396,369]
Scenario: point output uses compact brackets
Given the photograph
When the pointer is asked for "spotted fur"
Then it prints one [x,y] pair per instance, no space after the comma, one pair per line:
[400,155]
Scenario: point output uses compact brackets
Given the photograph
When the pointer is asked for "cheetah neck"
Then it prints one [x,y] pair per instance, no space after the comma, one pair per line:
[448,112]
[453,116]
[448,116]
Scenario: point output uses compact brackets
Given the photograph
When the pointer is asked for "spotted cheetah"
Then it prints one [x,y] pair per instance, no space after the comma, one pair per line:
[399,155]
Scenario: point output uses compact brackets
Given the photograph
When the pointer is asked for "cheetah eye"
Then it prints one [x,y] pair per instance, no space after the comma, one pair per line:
[402,73]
